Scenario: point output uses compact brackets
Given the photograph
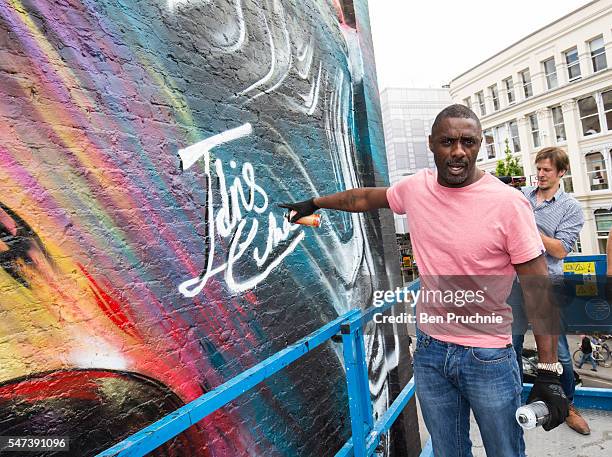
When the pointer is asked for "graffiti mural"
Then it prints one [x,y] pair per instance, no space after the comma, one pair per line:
[143,260]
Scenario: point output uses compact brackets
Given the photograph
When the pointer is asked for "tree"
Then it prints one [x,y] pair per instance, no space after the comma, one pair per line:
[510,166]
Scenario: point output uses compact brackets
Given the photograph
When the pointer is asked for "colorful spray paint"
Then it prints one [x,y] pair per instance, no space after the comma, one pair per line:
[131,280]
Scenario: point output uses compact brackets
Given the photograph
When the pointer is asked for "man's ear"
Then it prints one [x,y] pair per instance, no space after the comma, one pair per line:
[562,173]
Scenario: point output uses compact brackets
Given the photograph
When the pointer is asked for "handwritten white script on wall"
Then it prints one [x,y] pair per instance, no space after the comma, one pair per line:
[244,197]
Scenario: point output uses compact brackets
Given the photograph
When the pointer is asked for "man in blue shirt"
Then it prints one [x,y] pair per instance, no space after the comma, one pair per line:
[559,218]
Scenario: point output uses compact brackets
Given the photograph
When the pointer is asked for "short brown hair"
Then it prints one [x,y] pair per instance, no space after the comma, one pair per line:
[556,155]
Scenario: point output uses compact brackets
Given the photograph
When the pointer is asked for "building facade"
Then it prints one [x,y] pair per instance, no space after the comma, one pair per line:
[553,88]
[408,114]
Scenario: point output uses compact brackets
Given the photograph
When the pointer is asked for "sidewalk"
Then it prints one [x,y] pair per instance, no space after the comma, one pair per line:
[562,441]
[600,378]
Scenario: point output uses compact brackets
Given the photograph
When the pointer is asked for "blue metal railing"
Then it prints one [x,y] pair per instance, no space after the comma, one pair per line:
[366,434]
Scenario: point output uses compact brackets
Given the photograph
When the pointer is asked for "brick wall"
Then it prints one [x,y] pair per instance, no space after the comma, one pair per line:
[144,147]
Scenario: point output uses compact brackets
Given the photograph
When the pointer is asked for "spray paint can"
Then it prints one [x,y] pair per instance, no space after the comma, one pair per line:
[532,415]
[314,220]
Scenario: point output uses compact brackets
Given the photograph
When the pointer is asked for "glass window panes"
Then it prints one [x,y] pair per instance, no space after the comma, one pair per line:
[494,97]
[603,222]
[468,102]
[551,73]
[598,54]
[500,134]
[596,171]
[509,86]
[526,81]
[606,98]
[417,127]
[514,135]
[557,115]
[578,246]
[489,143]
[481,103]
[589,117]
[401,161]
[573,64]
[421,154]
[568,184]
[535,131]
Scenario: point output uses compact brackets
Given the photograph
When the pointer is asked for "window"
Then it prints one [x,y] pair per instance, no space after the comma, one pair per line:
[494,97]
[603,222]
[526,81]
[401,162]
[568,184]
[557,116]
[500,134]
[573,64]
[468,102]
[577,246]
[481,103]
[509,85]
[598,54]
[397,127]
[596,171]
[550,70]
[514,136]
[606,98]
[589,117]
[489,143]
[417,127]
[535,130]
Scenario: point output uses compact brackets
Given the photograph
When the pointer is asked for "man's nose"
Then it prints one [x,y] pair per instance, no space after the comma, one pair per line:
[457,150]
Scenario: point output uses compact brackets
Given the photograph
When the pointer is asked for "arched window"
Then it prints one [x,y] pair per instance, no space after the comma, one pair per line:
[596,171]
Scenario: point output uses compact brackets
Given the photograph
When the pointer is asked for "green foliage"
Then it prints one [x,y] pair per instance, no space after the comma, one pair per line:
[510,166]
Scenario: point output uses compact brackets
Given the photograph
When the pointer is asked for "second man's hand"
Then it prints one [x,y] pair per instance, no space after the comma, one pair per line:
[302,209]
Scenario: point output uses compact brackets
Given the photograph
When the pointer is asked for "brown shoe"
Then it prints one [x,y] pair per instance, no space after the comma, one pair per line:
[577,422]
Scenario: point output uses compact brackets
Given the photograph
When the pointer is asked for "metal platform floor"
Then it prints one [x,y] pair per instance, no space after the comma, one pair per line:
[563,441]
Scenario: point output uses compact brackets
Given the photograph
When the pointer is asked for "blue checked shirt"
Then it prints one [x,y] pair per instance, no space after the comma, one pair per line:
[560,218]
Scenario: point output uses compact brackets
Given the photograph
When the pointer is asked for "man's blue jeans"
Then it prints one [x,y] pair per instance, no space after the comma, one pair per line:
[587,358]
[519,327]
[452,379]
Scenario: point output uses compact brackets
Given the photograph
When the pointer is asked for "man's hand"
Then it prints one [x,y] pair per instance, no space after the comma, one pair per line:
[302,209]
[547,388]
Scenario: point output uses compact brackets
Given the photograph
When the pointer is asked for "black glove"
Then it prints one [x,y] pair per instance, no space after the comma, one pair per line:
[547,388]
[302,209]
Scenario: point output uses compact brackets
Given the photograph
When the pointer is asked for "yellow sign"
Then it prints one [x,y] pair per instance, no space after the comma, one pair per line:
[579,268]
[586,290]
[406,261]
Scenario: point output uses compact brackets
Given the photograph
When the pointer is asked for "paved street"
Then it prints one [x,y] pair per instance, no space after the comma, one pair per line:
[602,378]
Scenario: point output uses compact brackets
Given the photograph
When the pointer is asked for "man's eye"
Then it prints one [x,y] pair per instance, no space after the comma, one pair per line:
[468,142]
[446,142]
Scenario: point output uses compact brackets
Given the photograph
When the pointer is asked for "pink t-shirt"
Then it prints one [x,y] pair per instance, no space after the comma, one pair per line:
[474,235]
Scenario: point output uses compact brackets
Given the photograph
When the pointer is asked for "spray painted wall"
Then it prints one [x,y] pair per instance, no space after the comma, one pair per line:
[144,146]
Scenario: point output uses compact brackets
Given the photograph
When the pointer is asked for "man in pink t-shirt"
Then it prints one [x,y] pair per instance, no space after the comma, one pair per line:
[467,228]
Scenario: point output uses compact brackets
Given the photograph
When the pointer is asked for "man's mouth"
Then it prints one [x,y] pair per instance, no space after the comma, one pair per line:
[456,168]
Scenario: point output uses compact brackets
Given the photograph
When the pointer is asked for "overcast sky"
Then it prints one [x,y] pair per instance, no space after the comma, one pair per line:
[426,43]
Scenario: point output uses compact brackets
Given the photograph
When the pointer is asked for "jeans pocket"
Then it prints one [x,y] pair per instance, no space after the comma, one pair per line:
[491,355]
[420,343]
